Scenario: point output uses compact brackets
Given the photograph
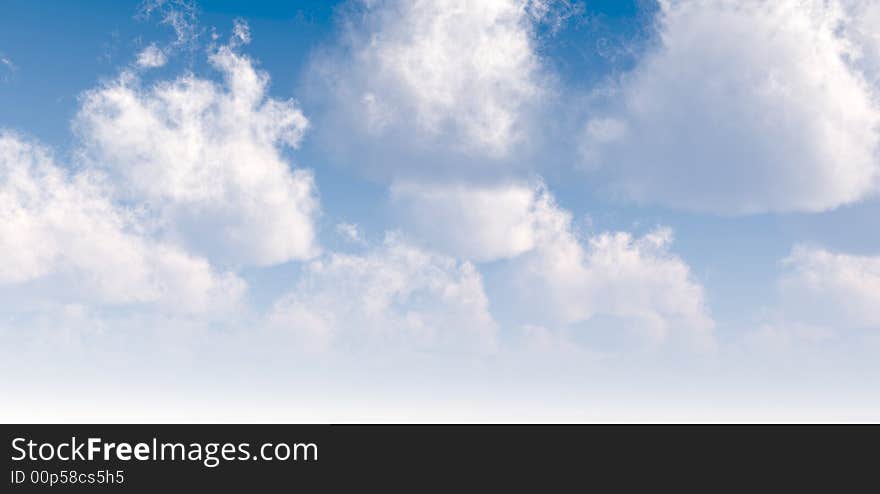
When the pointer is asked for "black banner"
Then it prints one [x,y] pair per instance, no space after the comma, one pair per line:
[413,458]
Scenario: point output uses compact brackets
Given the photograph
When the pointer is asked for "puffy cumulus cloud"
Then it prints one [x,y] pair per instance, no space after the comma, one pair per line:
[208,159]
[830,289]
[393,296]
[478,222]
[452,74]
[615,275]
[60,229]
[566,280]
[828,309]
[747,106]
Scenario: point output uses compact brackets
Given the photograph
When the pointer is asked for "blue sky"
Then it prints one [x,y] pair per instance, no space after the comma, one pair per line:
[631,182]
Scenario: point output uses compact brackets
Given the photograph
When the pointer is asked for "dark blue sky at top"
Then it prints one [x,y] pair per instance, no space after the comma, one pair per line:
[62,48]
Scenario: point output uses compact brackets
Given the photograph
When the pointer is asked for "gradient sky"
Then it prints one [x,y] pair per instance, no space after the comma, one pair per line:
[615,208]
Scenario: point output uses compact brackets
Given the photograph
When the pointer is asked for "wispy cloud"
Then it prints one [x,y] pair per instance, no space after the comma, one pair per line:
[180,15]
[7,68]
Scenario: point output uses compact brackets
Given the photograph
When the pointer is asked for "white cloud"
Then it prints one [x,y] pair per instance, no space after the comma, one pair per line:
[478,222]
[636,280]
[151,57]
[828,310]
[394,296]
[836,290]
[207,158]
[860,27]
[563,280]
[462,73]
[64,230]
[747,106]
